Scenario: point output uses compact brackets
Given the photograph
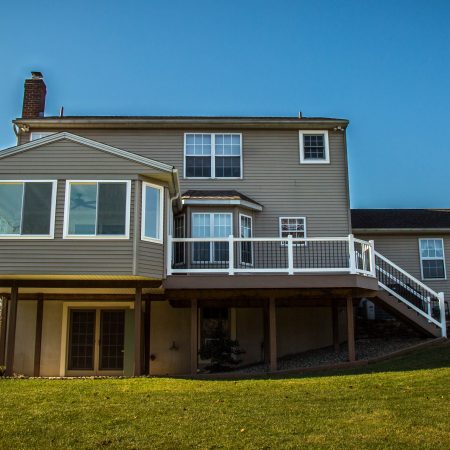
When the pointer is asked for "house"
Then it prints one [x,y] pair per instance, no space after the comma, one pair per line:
[126,243]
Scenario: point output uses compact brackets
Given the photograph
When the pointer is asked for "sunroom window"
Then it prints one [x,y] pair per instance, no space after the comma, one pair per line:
[152,212]
[97,209]
[213,155]
[27,208]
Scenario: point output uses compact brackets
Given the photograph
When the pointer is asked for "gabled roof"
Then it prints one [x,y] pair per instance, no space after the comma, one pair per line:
[401,219]
[90,143]
[219,197]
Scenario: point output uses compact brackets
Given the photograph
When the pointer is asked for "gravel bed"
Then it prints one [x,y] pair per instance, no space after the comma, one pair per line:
[365,349]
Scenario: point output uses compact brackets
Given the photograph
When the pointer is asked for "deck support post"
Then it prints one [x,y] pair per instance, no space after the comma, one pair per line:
[138,332]
[335,324]
[350,330]
[4,322]
[38,335]
[273,334]
[194,336]
[147,333]
[11,341]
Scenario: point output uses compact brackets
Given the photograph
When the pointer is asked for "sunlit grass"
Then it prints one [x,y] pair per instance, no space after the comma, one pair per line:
[392,407]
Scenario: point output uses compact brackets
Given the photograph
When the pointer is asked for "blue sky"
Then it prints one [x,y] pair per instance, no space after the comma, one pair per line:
[385,65]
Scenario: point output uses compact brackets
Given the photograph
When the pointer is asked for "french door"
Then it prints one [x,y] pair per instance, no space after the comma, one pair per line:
[96,340]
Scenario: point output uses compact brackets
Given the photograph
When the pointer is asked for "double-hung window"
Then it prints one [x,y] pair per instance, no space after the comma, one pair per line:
[205,225]
[97,209]
[27,209]
[314,147]
[432,259]
[245,223]
[294,226]
[213,155]
[152,212]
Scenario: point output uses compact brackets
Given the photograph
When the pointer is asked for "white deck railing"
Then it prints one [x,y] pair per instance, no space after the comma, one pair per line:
[288,255]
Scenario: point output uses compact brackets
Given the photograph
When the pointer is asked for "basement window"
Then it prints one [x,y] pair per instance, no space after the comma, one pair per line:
[97,209]
[27,209]
[432,259]
[314,148]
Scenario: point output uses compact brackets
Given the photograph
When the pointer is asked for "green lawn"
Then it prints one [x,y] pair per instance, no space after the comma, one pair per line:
[403,403]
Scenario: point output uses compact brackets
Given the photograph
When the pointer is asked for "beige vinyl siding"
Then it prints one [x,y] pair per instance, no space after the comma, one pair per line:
[67,160]
[273,175]
[403,250]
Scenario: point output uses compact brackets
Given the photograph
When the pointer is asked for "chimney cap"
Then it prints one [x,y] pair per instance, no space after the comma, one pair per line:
[37,75]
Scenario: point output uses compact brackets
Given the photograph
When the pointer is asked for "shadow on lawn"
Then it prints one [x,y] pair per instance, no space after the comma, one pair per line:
[435,357]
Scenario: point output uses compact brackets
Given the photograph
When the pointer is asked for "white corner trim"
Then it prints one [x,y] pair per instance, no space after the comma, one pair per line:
[89,143]
[301,133]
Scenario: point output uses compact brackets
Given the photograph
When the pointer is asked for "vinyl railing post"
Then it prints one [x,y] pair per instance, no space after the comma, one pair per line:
[169,254]
[290,255]
[429,307]
[352,256]
[373,268]
[230,255]
[442,314]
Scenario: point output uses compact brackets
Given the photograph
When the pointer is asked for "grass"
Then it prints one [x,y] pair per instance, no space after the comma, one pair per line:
[403,403]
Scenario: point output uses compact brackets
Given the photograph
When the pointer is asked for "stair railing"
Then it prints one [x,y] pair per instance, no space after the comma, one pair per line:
[411,291]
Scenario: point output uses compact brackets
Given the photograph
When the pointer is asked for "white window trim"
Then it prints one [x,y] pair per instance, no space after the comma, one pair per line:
[301,133]
[161,213]
[51,235]
[211,229]
[292,217]
[251,229]
[213,157]
[114,237]
[427,258]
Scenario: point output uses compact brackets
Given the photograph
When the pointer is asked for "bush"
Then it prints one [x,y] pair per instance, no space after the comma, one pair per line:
[222,352]
[2,371]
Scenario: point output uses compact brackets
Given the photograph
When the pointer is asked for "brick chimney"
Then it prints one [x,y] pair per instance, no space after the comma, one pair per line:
[34,97]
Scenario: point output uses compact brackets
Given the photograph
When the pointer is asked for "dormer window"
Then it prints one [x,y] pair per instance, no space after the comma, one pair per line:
[314,148]
[213,155]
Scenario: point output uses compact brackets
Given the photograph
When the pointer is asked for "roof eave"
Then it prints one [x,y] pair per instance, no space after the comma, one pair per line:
[399,230]
[57,123]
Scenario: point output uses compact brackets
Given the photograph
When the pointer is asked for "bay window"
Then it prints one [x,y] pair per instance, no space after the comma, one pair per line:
[97,209]
[27,209]
[213,155]
[204,225]
[152,212]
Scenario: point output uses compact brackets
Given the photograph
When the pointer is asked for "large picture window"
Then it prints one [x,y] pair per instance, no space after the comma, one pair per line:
[206,225]
[432,259]
[27,209]
[97,209]
[152,212]
[213,155]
